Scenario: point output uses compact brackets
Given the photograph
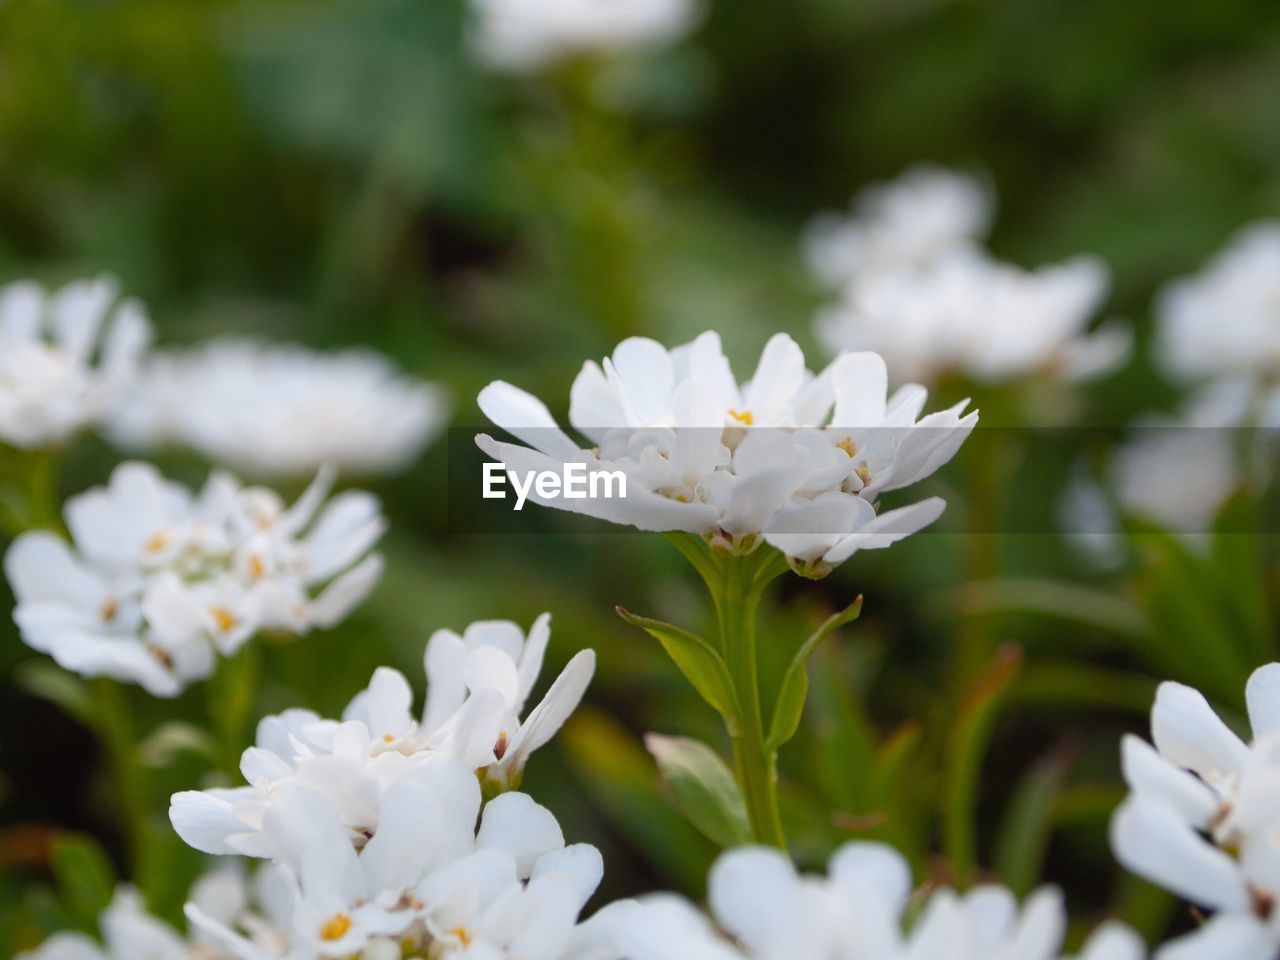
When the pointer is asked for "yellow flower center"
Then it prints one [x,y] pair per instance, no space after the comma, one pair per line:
[462,935]
[223,618]
[744,417]
[157,541]
[336,927]
[257,568]
[847,446]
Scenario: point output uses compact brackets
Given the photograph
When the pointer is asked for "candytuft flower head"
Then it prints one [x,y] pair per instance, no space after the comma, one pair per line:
[281,410]
[1225,321]
[765,910]
[791,458]
[157,581]
[523,35]
[1203,816]
[915,286]
[65,357]
[372,821]
[477,685]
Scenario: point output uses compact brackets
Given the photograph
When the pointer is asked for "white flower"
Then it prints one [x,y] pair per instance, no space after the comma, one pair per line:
[129,932]
[1203,817]
[424,879]
[526,34]
[765,910]
[477,685]
[281,409]
[157,582]
[967,313]
[1175,474]
[693,446]
[904,223]
[915,287]
[1226,320]
[65,357]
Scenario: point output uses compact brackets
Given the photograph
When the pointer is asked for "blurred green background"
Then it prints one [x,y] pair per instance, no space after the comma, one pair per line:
[343,172]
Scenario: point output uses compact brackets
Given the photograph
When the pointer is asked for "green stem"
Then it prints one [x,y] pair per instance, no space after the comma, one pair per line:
[115,729]
[737,600]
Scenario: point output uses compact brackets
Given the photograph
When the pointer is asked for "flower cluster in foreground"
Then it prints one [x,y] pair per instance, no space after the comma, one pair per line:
[1203,817]
[158,581]
[65,357]
[527,34]
[765,910]
[915,286]
[792,458]
[280,410]
[373,818]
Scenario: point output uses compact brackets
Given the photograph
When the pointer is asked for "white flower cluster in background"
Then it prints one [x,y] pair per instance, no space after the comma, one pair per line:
[790,457]
[1203,817]
[765,910]
[523,35]
[915,286]
[1225,321]
[373,819]
[129,932]
[65,358]
[281,410]
[157,582]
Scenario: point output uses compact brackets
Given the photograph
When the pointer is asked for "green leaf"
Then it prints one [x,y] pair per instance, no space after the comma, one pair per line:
[789,707]
[703,787]
[969,738]
[167,742]
[46,680]
[1028,823]
[84,875]
[1049,598]
[622,783]
[701,664]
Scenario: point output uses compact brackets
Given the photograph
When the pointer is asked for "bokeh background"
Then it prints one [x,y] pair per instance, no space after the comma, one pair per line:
[345,173]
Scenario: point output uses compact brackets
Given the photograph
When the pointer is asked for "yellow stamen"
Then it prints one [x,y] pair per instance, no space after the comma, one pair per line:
[257,569]
[847,446]
[462,935]
[110,609]
[744,417]
[223,617]
[336,927]
[864,474]
[157,542]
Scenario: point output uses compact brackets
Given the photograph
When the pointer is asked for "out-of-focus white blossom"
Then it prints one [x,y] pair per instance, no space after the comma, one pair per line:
[65,357]
[1203,817]
[129,932]
[157,581]
[1225,321]
[477,685]
[764,910]
[914,286]
[906,223]
[527,34]
[281,409]
[790,457]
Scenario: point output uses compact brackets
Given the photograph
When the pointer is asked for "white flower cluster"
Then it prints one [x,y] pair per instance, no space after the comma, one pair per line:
[791,457]
[373,818]
[524,35]
[1203,817]
[157,582]
[129,932]
[280,410]
[765,910]
[1226,320]
[65,357]
[916,287]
